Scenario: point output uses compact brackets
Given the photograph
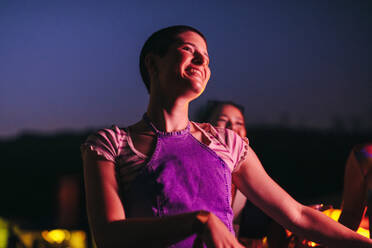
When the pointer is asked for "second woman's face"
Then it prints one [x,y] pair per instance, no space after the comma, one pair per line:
[230,117]
[184,70]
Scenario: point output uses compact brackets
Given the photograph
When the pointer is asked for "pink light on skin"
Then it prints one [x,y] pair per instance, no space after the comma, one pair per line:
[367,151]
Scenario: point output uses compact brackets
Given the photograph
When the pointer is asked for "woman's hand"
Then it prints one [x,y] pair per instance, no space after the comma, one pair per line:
[215,233]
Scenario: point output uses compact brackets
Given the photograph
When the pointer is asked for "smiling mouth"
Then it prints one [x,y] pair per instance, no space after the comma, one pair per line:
[194,72]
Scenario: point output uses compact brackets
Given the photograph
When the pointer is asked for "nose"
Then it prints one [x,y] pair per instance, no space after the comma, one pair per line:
[232,126]
[198,59]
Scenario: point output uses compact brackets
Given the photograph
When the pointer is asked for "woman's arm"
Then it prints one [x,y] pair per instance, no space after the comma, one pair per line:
[254,182]
[111,228]
[354,195]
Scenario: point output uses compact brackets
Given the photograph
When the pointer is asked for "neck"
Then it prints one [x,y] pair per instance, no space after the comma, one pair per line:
[168,115]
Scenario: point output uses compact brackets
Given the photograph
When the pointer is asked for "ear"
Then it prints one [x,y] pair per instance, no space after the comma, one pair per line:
[151,65]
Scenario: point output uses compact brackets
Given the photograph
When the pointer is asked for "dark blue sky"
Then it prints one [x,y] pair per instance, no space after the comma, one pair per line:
[73,64]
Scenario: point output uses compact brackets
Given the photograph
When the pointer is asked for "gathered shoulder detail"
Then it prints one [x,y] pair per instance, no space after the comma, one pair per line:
[227,144]
[244,153]
[105,143]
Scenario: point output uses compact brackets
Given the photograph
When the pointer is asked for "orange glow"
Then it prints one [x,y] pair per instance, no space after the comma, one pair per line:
[311,244]
[56,236]
[78,239]
[335,215]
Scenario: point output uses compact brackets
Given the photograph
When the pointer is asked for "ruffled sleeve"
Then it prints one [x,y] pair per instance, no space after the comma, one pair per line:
[105,143]
[238,147]
[243,154]
[235,148]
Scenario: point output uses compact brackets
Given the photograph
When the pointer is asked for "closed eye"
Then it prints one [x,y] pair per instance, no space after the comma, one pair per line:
[188,48]
[221,123]
[223,120]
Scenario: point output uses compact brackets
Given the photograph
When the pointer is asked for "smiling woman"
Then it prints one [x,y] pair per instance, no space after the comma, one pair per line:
[160,42]
[166,181]
[184,67]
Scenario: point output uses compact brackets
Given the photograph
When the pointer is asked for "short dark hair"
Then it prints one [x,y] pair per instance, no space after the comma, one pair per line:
[158,43]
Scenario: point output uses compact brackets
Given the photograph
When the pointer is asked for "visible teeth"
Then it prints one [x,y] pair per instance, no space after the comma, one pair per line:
[194,71]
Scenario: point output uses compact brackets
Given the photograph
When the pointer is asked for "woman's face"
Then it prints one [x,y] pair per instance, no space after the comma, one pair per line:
[184,69]
[229,116]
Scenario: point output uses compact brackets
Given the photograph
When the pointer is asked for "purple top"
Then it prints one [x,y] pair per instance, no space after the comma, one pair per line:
[114,144]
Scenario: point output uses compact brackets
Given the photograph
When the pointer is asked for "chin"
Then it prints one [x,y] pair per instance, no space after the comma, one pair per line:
[194,88]
[192,93]
[198,90]
[198,85]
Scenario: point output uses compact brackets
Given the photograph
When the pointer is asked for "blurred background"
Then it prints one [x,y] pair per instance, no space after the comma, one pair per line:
[301,69]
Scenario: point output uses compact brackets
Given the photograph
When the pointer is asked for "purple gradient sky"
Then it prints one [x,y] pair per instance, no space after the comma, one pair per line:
[73,64]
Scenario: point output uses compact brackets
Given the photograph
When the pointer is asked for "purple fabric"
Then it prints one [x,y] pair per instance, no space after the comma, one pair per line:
[183,175]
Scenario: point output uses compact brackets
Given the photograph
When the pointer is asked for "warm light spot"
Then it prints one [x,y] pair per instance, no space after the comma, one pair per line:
[311,244]
[56,236]
[335,215]
[4,233]
[332,213]
[363,232]
[264,242]
[78,239]
[28,237]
